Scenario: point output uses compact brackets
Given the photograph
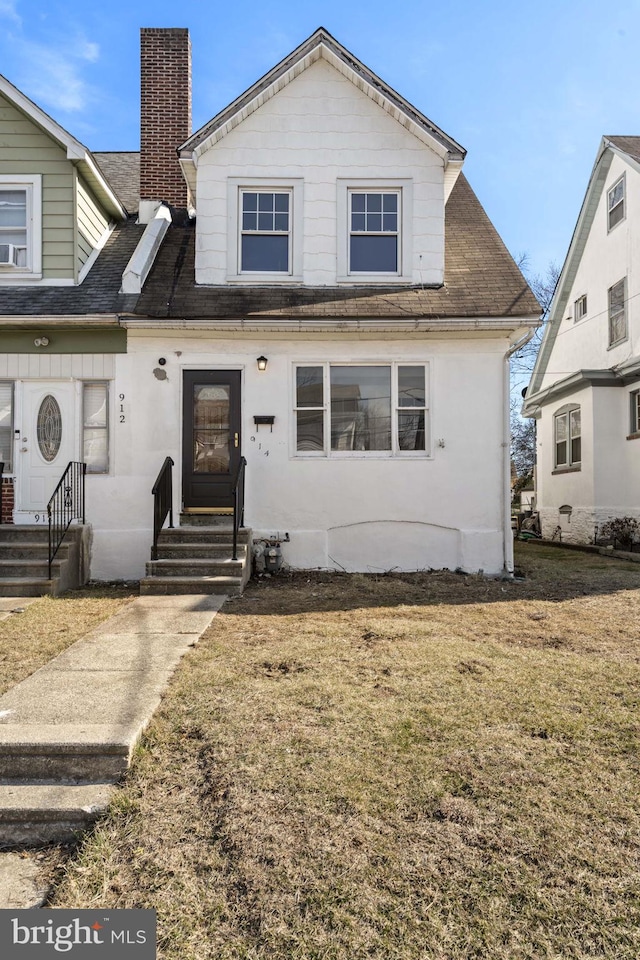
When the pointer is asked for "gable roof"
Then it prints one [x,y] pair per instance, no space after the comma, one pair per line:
[321,44]
[628,148]
[481,282]
[75,150]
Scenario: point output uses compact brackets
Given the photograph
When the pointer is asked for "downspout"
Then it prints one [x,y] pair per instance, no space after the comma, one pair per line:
[507,539]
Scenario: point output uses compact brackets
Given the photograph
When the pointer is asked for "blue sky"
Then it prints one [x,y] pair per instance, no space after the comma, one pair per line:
[528,88]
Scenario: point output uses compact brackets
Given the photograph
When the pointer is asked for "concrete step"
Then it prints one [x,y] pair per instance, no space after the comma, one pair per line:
[35,813]
[203,534]
[28,587]
[70,752]
[35,569]
[232,586]
[25,532]
[195,567]
[11,549]
[213,551]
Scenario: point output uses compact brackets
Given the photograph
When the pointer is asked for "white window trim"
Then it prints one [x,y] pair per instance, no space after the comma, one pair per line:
[622,180]
[566,412]
[578,313]
[107,427]
[624,312]
[32,183]
[405,233]
[394,453]
[235,187]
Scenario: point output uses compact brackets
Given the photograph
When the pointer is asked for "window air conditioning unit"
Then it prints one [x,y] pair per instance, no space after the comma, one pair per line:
[8,254]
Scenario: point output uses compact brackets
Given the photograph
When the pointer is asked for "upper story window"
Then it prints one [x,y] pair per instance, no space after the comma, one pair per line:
[616,203]
[618,312]
[20,227]
[265,227]
[362,409]
[374,232]
[567,435]
[374,224]
[265,244]
[580,308]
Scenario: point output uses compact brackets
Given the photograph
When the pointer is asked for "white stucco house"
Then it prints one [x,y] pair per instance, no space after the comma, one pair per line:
[307,282]
[585,387]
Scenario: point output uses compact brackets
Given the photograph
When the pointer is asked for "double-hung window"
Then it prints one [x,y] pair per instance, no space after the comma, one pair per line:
[376,408]
[6,425]
[617,312]
[20,226]
[265,237]
[374,224]
[374,235]
[567,438]
[95,426]
[616,203]
[265,227]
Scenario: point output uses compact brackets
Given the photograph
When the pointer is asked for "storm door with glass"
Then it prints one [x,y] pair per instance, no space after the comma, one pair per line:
[211,438]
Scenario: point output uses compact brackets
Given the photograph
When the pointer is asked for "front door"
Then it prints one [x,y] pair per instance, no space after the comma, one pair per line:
[211,438]
[46,443]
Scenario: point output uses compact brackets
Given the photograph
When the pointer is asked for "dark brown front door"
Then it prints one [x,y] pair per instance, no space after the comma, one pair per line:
[211,444]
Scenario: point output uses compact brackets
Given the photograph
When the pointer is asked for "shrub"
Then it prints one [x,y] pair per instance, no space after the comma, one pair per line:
[622,530]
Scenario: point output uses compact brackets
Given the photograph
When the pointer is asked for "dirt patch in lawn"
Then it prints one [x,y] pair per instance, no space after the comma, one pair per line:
[411,767]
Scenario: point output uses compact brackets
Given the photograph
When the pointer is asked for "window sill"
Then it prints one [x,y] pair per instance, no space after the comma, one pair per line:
[373,279]
[262,279]
[634,436]
[618,343]
[572,469]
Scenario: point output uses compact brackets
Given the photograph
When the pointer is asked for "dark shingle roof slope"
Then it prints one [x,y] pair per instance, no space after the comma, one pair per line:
[630,145]
[99,293]
[481,280]
[122,170]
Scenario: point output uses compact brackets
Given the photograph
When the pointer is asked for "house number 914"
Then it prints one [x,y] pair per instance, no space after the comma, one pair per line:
[121,414]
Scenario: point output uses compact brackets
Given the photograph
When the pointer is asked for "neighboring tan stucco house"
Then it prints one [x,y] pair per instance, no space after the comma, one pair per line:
[585,387]
[322,223]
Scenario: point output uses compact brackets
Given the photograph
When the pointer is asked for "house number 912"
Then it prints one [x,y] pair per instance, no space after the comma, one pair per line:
[121,415]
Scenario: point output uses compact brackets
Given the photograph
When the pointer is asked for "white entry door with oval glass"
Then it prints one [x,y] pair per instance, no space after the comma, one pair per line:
[46,441]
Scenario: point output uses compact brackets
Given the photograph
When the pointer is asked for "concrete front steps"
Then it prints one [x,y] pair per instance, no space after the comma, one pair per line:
[24,561]
[56,780]
[196,557]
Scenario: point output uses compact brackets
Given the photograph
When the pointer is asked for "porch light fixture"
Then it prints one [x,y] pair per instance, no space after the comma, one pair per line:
[41,342]
[262,363]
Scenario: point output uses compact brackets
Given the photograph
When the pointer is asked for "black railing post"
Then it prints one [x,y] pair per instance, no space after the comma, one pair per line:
[67,503]
[238,504]
[162,492]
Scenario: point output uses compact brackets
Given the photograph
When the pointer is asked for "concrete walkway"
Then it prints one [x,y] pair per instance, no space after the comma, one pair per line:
[67,732]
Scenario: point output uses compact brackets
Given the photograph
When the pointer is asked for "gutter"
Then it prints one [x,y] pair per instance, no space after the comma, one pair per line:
[507,535]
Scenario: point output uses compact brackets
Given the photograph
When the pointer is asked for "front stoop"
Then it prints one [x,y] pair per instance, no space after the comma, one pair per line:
[24,560]
[196,557]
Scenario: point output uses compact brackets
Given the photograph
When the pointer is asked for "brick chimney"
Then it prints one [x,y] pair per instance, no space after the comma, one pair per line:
[165,115]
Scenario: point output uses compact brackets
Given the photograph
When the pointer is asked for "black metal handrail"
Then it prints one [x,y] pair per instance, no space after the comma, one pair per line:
[162,503]
[66,504]
[238,504]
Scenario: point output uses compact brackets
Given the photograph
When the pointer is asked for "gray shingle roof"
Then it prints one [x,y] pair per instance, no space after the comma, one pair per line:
[122,170]
[630,145]
[481,280]
[97,294]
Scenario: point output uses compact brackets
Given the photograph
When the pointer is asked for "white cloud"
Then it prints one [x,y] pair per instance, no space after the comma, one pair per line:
[52,74]
[8,11]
